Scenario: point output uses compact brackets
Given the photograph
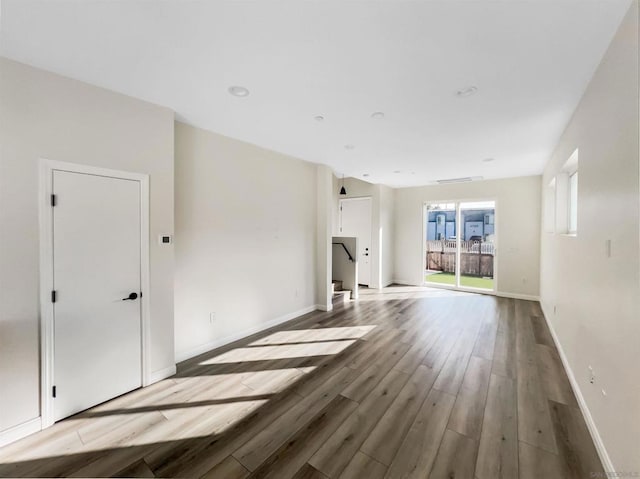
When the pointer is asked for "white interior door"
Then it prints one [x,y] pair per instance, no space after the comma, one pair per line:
[96,264]
[355,220]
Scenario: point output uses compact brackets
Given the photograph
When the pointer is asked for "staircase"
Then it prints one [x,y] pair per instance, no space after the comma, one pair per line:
[339,295]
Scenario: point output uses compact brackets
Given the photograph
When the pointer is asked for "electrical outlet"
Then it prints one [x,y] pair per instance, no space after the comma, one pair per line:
[212,317]
[604,393]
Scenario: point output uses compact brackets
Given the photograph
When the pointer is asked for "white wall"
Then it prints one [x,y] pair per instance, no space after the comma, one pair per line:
[245,238]
[382,224]
[517,227]
[387,234]
[43,115]
[324,183]
[597,299]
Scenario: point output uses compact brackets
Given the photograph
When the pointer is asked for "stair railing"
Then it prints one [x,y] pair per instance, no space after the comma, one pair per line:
[345,250]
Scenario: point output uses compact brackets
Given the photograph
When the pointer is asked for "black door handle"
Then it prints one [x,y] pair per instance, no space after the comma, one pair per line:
[131,297]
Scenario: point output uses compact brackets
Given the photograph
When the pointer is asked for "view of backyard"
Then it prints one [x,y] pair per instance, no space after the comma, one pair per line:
[460,236]
[465,281]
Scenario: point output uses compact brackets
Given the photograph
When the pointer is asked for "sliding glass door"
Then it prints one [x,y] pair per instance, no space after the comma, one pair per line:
[441,245]
[460,244]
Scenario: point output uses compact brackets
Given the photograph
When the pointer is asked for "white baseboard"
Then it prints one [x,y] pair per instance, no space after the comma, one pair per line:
[591,425]
[404,282]
[203,348]
[527,297]
[21,430]
[323,307]
[502,294]
[156,376]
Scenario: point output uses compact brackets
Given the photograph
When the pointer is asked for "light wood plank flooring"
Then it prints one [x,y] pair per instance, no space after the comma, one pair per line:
[406,382]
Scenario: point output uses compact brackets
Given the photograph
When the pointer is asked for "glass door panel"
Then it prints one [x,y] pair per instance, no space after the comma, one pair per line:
[440,260]
[477,244]
[460,244]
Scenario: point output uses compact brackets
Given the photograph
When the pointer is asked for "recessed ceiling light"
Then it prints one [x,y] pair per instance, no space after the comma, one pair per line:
[377,115]
[318,118]
[366,175]
[397,171]
[466,92]
[239,91]
[488,160]
[349,147]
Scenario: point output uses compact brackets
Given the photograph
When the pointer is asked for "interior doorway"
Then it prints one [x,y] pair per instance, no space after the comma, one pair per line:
[355,220]
[94,239]
[460,245]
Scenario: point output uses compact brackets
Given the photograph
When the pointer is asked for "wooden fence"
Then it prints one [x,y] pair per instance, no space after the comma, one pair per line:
[476,258]
[449,246]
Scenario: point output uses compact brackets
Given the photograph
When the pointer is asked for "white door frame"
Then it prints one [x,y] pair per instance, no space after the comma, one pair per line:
[457,202]
[47,167]
[354,198]
[378,267]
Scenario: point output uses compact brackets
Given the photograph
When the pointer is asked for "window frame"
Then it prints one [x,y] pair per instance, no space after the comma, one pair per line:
[572,203]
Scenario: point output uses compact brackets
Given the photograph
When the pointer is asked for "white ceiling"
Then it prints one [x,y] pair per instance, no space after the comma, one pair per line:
[531,61]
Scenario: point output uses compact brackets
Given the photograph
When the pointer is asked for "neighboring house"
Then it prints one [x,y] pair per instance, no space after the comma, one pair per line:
[441,224]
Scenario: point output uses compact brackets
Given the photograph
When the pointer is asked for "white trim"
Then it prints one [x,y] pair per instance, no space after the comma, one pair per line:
[378,272]
[425,225]
[162,374]
[21,430]
[496,258]
[145,279]
[404,282]
[47,167]
[46,308]
[488,292]
[584,408]
[527,297]
[324,307]
[203,348]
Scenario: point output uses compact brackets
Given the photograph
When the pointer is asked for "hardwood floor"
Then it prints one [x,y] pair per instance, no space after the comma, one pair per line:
[406,382]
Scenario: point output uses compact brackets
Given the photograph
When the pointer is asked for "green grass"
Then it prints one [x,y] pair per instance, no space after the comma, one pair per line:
[465,281]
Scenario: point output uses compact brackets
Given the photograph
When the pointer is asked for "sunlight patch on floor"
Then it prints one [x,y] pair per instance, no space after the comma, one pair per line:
[188,407]
[312,335]
[206,411]
[407,292]
[287,351]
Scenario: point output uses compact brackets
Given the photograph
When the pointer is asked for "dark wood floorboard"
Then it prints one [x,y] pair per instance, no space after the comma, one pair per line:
[498,448]
[230,468]
[385,439]
[456,457]
[403,383]
[468,411]
[363,466]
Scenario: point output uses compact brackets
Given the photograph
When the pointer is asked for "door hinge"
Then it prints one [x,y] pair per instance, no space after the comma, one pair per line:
[53,296]
[53,200]
[53,391]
